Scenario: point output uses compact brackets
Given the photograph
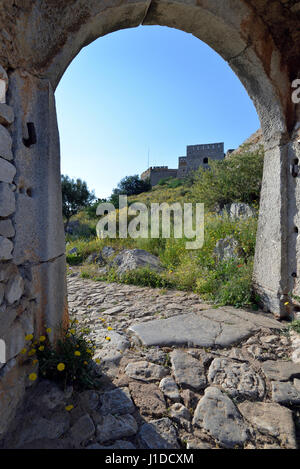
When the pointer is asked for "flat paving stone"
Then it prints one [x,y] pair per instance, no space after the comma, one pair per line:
[272,419]
[158,434]
[145,371]
[149,399]
[209,328]
[114,428]
[217,414]
[188,371]
[285,393]
[117,402]
[280,370]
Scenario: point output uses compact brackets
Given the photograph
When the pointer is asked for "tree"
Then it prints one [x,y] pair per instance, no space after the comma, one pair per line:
[129,185]
[235,179]
[75,196]
[91,209]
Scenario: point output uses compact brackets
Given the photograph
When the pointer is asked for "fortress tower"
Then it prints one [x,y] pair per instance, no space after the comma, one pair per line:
[196,156]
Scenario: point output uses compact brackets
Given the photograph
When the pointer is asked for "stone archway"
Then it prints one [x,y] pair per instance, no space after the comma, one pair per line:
[38,41]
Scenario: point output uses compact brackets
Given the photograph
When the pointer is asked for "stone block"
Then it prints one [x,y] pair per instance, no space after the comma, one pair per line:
[218,416]
[271,419]
[6,114]
[7,171]
[14,289]
[7,200]
[6,247]
[6,229]
[3,84]
[14,337]
[5,144]
[12,388]
[51,308]
[158,434]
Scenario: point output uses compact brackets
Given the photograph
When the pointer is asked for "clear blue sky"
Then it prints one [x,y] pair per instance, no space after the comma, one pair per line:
[149,87]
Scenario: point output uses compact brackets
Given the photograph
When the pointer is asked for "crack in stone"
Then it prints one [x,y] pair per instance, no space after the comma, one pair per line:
[240,53]
[146,12]
[34,264]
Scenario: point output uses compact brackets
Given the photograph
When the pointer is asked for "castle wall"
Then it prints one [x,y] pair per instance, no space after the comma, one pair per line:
[198,155]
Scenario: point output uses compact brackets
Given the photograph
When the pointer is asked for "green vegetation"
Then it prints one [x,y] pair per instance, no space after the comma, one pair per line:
[236,179]
[295,326]
[130,185]
[227,282]
[70,361]
[75,196]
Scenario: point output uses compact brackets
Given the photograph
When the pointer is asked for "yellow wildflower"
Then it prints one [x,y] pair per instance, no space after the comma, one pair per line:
[42,338]
[107,338]
[33,376]
[29,337]
[109,328]
[77,353]
[34,362]
[41,348]
[69,408]
[48,330]
[72,331]
[23,351]
[98,360]
[285,304]
[31,352]
[61,366]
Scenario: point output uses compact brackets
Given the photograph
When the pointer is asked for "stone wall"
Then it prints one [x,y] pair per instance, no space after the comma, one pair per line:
[16,316]
[196,156]
[32,262]
[156,173]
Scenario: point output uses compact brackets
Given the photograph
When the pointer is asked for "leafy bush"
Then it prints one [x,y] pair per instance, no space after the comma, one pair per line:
[235,179]
[129,185]
[74,259]
[228,284]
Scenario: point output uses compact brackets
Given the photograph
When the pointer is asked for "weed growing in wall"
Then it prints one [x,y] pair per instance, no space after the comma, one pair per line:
[69,361]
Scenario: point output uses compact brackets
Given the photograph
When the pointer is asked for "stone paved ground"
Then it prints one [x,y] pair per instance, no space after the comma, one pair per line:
[177,373]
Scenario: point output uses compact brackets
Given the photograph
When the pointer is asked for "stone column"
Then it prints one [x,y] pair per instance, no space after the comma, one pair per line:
[277,260]
[32,260]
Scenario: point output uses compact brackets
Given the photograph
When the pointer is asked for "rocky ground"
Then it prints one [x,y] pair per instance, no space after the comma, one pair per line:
[177,373]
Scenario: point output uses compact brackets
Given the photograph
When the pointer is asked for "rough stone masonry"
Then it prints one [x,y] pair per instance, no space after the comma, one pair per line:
[259,40]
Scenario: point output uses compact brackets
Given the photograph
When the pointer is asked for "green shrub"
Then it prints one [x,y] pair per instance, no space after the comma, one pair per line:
[229,283]
[295,326]
[70,361]
[235,179]
[74,259]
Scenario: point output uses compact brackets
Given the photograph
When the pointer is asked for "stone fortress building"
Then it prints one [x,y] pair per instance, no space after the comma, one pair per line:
[196,156]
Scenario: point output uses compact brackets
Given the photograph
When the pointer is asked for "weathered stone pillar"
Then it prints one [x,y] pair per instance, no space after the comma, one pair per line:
[32,260]
[277,260]
[270,267]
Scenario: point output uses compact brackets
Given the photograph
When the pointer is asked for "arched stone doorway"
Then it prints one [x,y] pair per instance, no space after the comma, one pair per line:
[38,41]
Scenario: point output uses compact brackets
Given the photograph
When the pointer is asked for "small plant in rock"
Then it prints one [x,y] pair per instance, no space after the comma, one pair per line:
[295,326]
[69,361]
